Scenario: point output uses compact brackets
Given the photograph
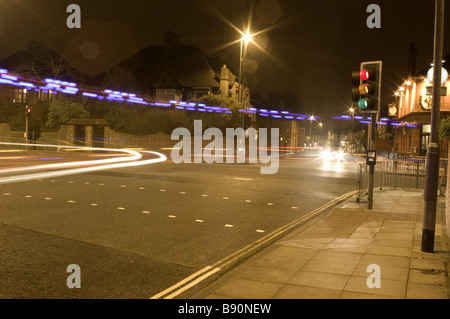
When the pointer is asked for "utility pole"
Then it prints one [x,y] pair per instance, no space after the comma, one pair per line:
[432,159]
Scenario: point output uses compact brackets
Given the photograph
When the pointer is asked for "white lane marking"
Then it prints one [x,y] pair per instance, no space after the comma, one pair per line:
[226,197]
[260,231]
[71,201]
[141,187]
[6,194]
[101,184]
[270,204]
[94,204]
[47,198]
[248,201]
[121,208]
[86,183]
[28,196]
[229,226]
[145,212]
[204,195]
[243,179]
[172,216]
[199,220]
[123,186]
[162,190]
[183,193]
[71,182]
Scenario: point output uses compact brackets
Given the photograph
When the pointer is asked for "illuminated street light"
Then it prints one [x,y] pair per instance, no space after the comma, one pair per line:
[246,37]
[352,111]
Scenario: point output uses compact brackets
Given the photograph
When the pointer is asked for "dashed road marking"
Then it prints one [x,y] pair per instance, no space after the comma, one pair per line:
[199,220]
[141,187]
[229,226]
[172,216]
[183,193]
[204,195]
[294,207]
[6,194]
[121,208]
[248,201]
[226,197]
[123,186]
[94,204]
[86,183]
[145,212]
[260,231]
[269,204]
[28,196]
[71,201]
[162,190]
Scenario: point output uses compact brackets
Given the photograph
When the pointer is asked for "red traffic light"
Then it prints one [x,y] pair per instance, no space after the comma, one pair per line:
[364,75]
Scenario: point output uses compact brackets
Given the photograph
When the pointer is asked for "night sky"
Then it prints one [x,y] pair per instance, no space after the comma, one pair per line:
[308,46]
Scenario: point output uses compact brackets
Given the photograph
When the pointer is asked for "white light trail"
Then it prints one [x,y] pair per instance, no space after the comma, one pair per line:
[103,164]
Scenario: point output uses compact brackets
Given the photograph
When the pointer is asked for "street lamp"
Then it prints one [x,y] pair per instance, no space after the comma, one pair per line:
[246,37]
[311,118]
[352,111]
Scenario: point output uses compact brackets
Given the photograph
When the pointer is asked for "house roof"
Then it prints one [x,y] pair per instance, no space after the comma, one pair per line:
[186,63]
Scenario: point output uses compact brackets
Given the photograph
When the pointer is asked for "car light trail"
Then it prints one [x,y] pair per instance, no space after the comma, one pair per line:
[133,160]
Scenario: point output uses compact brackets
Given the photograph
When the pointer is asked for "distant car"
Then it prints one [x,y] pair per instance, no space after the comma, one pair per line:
[330,155]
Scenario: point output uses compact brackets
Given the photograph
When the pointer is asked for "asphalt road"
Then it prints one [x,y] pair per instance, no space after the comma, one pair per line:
[136,231]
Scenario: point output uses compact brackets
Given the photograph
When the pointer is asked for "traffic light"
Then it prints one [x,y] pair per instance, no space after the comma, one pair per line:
[366,87]
[28,112]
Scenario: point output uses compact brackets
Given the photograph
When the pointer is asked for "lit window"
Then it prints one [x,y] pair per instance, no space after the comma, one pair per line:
[19,95]
[167,95]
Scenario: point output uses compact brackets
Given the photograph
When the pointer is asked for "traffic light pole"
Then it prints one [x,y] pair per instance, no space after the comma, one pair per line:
[432,159]
[370,146]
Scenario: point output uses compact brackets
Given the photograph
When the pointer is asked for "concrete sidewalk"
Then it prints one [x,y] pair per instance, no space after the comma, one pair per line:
[328,258]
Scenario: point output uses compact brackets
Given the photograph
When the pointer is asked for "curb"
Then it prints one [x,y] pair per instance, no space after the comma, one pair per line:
[228,262]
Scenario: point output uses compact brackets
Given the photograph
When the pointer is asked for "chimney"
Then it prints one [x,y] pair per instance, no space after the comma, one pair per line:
[224,80]
[412,60]
[171,40]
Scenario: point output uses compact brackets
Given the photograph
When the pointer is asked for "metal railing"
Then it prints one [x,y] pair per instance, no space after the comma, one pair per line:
[393,171]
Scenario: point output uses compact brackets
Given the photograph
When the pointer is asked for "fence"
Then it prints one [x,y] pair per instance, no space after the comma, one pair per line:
[395,171]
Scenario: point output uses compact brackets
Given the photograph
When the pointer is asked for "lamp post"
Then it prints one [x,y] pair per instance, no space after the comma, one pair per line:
[246,37]
[311,118]
[321,127]
[352,111]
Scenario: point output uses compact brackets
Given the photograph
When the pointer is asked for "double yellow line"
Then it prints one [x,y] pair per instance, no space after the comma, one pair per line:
[208,271]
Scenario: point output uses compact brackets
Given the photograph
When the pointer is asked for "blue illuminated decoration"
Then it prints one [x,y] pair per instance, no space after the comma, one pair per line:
[90,94]
[9,77]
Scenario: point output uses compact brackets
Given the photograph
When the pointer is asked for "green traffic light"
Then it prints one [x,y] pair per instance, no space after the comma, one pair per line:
[363,104]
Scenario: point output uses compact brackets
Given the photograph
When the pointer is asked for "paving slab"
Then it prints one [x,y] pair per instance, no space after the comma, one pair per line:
[346,252]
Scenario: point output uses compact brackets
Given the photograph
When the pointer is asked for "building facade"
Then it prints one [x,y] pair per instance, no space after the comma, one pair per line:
[412,109]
